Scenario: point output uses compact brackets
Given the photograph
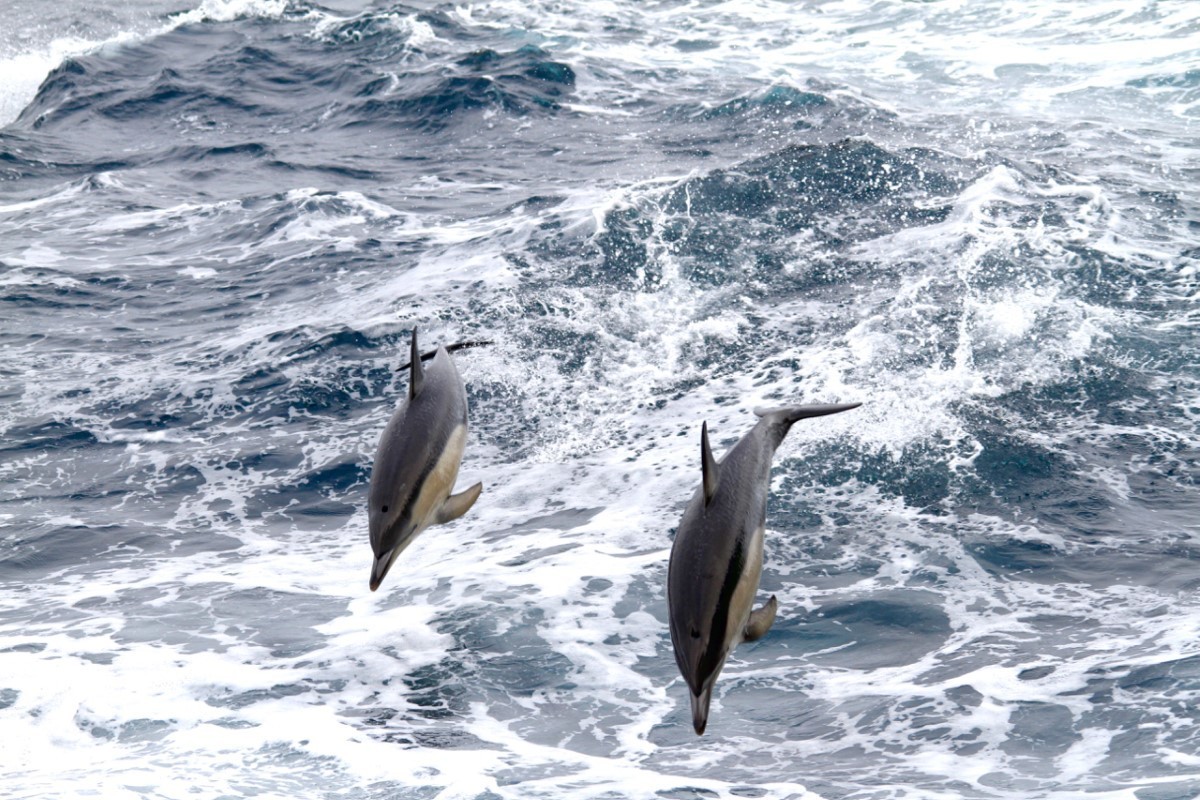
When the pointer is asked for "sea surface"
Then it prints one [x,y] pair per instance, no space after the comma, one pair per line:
[220,219]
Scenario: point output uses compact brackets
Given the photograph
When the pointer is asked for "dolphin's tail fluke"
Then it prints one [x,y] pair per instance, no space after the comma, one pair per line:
[450,348]
[791,414]
[781,419]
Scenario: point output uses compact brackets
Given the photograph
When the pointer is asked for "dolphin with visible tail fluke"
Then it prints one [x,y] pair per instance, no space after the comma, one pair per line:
[717,556]
[417,460]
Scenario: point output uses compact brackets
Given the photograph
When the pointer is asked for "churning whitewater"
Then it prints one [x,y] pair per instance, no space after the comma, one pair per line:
[221,219]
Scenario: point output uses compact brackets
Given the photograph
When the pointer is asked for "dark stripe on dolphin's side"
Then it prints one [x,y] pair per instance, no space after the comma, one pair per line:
[711,659]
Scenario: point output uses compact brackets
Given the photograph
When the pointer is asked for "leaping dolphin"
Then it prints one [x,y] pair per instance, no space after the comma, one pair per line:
[716,559]
[417,461]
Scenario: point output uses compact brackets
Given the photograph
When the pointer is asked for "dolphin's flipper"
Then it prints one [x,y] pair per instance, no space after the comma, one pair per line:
[417,373]
[450,348]
[458,504]
[760,620]
[708,465]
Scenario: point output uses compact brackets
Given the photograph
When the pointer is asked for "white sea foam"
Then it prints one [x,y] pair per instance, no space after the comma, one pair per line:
[227,10]
[1043,56]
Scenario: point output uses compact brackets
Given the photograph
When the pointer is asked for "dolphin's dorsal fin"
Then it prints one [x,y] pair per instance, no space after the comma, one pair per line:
[416,372]
[708,466]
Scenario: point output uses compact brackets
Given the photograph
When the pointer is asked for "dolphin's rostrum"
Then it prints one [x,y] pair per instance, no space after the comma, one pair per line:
[417,461]
[717,556]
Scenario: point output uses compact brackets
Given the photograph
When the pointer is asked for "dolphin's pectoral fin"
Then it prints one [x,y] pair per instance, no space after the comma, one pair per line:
[760,620]
[416,376]
[708,466]
[458,504]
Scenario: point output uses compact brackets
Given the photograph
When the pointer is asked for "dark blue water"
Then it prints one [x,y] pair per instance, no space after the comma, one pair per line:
[220,219]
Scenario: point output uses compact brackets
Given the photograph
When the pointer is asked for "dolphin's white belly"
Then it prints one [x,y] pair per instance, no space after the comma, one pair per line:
[441,479]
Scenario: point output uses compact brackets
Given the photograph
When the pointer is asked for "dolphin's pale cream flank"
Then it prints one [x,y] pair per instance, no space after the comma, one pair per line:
[717,557]
[417,462]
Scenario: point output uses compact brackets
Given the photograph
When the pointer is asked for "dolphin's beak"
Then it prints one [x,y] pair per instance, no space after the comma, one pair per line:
[381,566]
[700,709]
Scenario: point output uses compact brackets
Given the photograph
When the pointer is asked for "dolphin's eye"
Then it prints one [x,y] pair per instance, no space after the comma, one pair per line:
[695,633]
[385,509]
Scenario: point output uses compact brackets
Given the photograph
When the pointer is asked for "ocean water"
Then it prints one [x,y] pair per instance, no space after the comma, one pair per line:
[219,220]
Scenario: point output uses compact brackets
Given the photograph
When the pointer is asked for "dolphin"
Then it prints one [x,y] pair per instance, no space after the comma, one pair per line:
[417,461]
[717,556]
